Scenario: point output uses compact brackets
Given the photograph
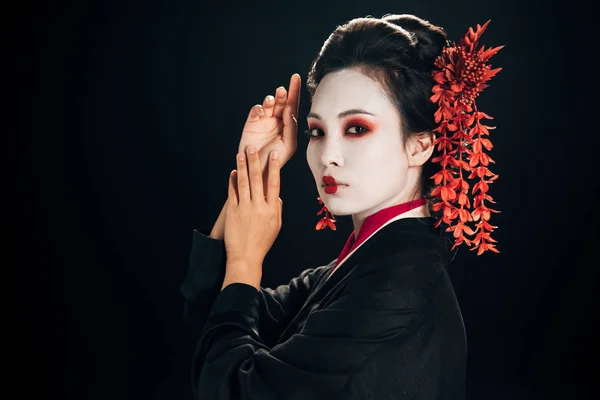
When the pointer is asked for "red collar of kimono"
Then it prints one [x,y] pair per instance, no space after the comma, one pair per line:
[374,222]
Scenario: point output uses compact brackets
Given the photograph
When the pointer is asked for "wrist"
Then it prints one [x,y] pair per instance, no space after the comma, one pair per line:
[242,273]
[218,230]
[217,234]
[244,266]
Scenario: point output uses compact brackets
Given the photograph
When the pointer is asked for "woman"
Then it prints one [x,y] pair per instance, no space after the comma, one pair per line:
[381,321]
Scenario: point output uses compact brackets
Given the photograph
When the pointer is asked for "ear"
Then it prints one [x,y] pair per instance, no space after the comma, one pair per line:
[419,148]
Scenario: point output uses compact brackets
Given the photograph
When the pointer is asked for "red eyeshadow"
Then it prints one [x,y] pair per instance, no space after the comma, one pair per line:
[370,126]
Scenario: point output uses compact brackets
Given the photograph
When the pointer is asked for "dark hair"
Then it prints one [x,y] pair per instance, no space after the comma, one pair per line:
[398,51]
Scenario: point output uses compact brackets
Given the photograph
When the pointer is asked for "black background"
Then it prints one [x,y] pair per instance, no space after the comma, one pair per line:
[128,119]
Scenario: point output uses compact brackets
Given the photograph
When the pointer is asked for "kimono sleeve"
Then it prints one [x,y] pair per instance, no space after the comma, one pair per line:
[382,303]
[205,274]
[204,280]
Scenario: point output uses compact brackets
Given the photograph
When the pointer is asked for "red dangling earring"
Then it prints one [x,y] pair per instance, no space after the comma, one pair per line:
[326,220]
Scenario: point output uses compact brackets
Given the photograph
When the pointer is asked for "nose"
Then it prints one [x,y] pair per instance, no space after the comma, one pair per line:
[332,154]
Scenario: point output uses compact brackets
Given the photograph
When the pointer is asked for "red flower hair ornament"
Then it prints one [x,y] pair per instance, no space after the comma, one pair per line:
[460,73]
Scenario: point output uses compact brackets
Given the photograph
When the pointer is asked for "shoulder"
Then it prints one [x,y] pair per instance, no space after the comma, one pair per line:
[408,275]
[382,298]
[409,240]
[413,263]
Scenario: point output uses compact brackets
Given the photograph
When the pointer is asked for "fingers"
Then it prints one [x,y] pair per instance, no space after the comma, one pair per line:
[268,105]
[249,180]
[273,178]
[280,101]
[232,195]
[246,185]
[280,209]
[243,185]
[255,174]
[255,113]
[290,130]
[274,106]
[290,115]
[293,99]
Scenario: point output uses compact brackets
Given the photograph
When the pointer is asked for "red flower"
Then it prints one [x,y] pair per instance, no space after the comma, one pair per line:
[326,221]
[460,75]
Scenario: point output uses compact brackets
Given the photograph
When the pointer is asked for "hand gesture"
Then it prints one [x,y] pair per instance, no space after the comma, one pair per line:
[253,216]
[274,125]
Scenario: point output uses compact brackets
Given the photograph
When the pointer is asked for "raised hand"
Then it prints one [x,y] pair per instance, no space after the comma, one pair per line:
[253,217]
[273,125]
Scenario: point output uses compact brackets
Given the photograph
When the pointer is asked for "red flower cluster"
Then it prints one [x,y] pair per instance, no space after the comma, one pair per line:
[460,74]
[326,220]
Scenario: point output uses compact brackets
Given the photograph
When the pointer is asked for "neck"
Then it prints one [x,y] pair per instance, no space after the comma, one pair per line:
[359,218]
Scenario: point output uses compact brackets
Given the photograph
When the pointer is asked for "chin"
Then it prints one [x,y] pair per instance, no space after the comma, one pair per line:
[337,206]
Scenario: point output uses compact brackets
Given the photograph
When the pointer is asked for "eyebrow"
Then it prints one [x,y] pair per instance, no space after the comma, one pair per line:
[343,114]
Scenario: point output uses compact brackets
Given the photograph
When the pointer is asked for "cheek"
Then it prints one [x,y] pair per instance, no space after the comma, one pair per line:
[379,163]
[312,157]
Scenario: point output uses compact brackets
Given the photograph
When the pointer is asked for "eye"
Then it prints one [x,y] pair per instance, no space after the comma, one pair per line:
[365,130]
[316,132]
[310,132]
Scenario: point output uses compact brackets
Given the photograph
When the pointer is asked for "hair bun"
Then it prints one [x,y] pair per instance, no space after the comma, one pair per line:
[430,39]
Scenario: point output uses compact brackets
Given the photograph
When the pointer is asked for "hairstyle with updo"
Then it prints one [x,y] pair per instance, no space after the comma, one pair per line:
[397,51]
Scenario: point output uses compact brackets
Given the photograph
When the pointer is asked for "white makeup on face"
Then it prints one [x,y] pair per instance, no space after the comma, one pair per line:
[370,158]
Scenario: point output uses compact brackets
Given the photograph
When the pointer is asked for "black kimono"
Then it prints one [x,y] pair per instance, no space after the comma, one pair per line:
[385,325]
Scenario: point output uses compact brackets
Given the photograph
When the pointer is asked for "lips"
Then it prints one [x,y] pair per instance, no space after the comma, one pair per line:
[331,185]
[330,180]
[331,189]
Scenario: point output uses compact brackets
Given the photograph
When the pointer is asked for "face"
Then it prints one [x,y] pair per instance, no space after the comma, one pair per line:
[363,152]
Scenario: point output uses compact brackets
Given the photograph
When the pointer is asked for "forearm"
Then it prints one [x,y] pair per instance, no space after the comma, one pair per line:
[218,230]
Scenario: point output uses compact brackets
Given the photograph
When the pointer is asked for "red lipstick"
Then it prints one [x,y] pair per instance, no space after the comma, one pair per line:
[331,186]
[331,189]
[329,180]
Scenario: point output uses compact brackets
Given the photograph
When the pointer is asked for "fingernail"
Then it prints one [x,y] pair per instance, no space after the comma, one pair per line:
[241,156]
[275,155]
[270,98]
[251,150]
